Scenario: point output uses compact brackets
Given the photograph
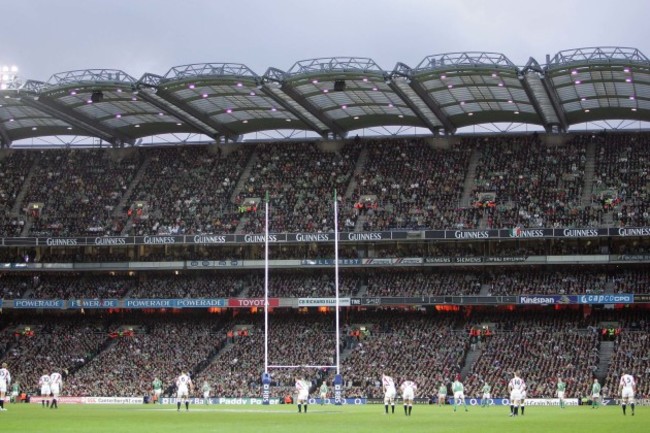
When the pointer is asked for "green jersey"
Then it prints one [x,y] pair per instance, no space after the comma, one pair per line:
[486,389]
[561,386]
[442,390]
[595,389]
[15,388]
[206,387]
[323,388]
[457,387]
[157,384]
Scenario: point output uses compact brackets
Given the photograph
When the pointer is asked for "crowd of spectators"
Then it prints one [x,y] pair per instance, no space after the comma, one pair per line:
[533,184]
[321,283]
[187,190]
[413,186]
[620,178]
[631,354]
[300,179]
[542,348]
[77,191]
[398,183]
[97,356]
[15,167]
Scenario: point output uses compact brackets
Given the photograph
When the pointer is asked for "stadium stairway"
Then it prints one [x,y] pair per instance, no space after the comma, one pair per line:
[604,357]
[472,356]
[590,168]
[126,197]
[245,174]
[18,205]
[468,186]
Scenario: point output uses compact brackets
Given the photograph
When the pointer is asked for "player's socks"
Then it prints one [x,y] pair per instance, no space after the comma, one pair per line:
[465,406]
[512,410]
[2,404]
[55,403]
[522,410]
[305,407]
[410,409]
[392,408]
[386,408]
[632,406]
[187,405]
[454,405]
[405,410]
[299,408]
[516,410]
[623,406]
[43,403]
[178,405]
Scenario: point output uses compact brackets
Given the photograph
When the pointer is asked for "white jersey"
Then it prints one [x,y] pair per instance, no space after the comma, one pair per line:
[517,386]
[55,383]
[408,389]
[302,388]
[388,383]
[44,382]
[183,383]
[627,385]
[5,377]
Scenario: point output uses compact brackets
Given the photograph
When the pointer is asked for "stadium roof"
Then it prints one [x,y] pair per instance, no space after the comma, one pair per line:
[332,96]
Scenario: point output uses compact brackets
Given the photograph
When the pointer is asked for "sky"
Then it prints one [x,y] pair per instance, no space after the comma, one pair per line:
[43,37]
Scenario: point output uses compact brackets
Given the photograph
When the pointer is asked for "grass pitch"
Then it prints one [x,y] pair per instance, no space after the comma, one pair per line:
[320,419]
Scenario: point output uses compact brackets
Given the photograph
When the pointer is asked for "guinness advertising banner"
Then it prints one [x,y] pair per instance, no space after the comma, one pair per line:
[517,233]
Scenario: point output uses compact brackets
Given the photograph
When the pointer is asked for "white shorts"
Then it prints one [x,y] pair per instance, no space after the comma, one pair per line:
[390,394]
[627,393]
[459,395]
[595,396]
[408,395]
[45,390]
[487,396]
[560,394]
[442,396]
[303,395]
[157,392]
[55,389]
[206,394]
[3,387]
[182,392]
[515,396]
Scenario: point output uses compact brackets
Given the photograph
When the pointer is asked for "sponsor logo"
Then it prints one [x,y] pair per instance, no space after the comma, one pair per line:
[61,242]
[579,233]
[523,233]
[110,241]
[316,237]
[259,238]
[323,302]
[540,300]
[253,302]
[607,299]
[159,240]
[459,234]
[204,239]
[645,231]
[365,236]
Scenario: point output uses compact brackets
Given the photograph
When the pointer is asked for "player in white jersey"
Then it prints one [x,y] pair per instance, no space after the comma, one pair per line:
[388,385]
[56,381]
[183,387]
[302,391]
[44,383]
[408,388]
[627,388]
[516,387]
[522,406]
[5,381]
